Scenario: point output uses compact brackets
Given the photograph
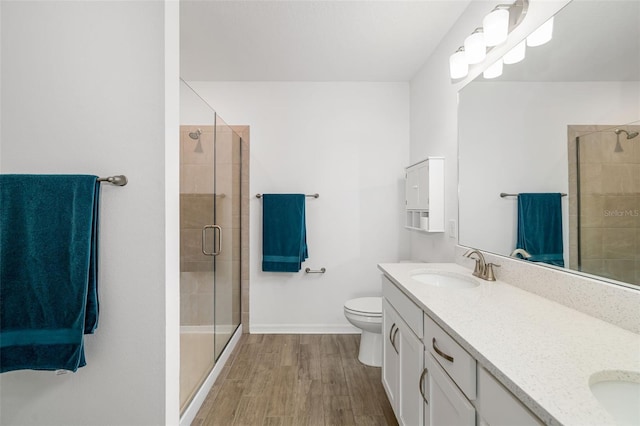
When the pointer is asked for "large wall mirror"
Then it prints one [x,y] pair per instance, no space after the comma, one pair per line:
[564,120]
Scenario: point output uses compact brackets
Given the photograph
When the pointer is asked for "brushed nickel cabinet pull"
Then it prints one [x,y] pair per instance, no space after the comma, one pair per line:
[391,332]
[393,341]
[421,385]
[439,352]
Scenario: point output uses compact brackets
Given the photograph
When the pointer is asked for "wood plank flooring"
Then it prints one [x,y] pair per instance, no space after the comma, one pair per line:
[296,380]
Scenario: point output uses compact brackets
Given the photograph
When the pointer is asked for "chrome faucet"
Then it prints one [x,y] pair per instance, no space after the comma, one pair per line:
[483,270]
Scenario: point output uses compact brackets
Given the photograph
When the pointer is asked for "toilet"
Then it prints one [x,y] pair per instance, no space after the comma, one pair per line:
[366,314]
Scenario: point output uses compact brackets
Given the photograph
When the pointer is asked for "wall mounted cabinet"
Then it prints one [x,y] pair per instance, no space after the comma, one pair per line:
[424,195]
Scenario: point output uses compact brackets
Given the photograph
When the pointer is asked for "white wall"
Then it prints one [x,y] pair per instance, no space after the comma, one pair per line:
[538,153]
[434,112]
[349,143]
[83,91]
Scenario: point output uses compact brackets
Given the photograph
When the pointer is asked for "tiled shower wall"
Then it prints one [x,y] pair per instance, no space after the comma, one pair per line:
[197,301]
[610,203]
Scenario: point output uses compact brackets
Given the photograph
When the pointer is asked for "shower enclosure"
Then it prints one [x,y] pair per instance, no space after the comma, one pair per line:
[210,233]
[604,217]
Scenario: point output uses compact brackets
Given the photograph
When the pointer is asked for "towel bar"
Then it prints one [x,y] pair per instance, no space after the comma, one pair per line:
[120,180]
[306,195]
[318,271]
[504,194]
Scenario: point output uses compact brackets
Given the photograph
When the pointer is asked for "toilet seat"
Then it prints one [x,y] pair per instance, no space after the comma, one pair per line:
[368,306]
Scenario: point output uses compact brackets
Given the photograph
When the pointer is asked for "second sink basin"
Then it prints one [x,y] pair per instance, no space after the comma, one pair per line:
[621,397]
[443,279]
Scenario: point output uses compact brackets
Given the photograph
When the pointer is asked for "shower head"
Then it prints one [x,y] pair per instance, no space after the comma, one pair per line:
[629,135]
[196,135]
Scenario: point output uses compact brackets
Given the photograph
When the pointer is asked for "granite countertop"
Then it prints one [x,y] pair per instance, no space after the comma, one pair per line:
[543,352]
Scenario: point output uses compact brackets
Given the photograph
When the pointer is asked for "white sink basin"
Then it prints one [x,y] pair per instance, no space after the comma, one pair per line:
[620,397]
[443,279]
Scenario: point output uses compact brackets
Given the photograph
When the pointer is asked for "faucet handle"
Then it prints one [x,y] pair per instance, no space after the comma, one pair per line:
[489,275]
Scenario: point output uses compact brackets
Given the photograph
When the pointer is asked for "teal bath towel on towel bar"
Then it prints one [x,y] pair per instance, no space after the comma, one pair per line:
[48,270]
[540,227]
[284,235]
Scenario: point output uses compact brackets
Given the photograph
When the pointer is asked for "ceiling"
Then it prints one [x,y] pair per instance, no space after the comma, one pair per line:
[307,40]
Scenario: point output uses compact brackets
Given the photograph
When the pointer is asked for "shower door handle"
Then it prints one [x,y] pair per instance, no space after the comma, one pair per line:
[204,236]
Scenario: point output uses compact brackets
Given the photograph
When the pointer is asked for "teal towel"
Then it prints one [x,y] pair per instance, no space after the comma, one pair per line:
[284,235]
[48,270]
[540,227]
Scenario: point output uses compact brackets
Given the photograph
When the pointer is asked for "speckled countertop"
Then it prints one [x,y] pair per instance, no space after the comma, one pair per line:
[543,352]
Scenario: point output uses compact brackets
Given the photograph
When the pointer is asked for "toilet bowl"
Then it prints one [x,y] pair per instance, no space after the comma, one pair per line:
[366,314]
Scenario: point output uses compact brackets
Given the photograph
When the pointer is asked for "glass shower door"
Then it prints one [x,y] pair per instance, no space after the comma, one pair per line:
[227,216]
[210,221]
[197,269]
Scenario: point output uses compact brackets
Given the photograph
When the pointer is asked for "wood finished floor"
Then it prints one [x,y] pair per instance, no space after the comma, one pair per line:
[296,380]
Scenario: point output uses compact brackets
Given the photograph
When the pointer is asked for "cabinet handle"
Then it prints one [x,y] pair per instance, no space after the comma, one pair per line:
[393,341]
[439,352]
[421,385]
[391,333]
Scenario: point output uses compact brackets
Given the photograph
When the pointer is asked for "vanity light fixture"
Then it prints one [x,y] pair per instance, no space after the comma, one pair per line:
[542,35]
[516,54]
[494,70]
[496,25]
[458,66]
[475,48]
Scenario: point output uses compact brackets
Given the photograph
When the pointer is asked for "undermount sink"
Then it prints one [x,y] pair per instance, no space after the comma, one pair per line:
[620,397]
[443,279]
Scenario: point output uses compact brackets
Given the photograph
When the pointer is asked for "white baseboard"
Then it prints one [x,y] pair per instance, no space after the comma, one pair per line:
[192,410]
[303,329]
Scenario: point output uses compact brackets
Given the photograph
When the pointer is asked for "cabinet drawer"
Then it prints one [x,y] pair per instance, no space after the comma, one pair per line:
[499,407]
[457,362]
[409,311]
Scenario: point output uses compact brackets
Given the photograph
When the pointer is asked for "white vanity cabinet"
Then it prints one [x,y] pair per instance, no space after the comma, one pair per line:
[403,357]
[431,379]
[424,195]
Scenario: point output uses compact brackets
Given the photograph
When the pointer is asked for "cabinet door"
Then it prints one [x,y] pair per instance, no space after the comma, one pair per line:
[411,363]
[448,406]
[499,407]
[390,356]
[411,189]
[423,186]
[417,187]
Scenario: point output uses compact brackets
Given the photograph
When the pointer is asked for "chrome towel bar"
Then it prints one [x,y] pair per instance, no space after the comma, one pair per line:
[318,271]
[119,180]
[504,194]
[306,195]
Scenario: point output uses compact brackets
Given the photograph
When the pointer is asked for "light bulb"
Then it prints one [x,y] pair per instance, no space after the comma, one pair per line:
[493,71]
[458,67]
[475,49]
[496,27]
[543,34]
[516,54]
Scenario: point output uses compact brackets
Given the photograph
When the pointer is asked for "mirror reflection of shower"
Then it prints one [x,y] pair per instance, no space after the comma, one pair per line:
[196,137]
[631,135]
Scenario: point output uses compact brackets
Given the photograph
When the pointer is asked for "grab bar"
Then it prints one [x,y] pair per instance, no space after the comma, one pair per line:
[306,195]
